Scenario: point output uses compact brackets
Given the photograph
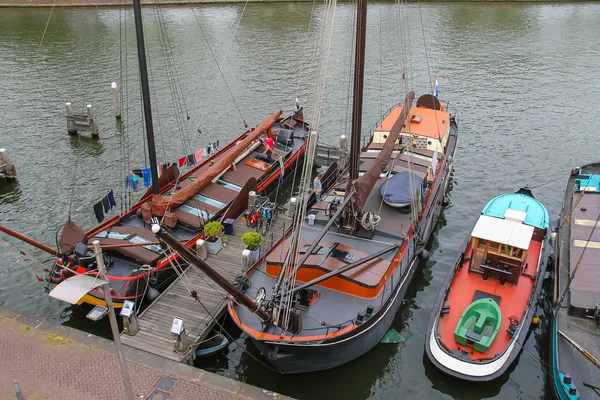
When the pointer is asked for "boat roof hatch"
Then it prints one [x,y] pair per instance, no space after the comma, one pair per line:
[503,231]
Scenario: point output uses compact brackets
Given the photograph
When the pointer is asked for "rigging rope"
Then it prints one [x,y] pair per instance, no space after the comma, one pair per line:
[217,63]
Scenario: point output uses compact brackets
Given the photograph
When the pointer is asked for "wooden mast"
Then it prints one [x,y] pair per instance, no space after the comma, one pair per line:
[359,73]
[348,219]
[139,32]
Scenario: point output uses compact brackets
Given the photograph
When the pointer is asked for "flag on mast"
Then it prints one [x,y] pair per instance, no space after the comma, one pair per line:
[436,89]
[297,104]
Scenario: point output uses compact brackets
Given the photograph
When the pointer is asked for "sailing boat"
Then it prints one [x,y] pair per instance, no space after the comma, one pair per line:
[328,292]
[216,189]
[486,305]
[574,341]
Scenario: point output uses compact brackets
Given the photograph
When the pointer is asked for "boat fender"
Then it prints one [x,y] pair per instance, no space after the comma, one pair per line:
[152,294]
[445,201]
[423,255]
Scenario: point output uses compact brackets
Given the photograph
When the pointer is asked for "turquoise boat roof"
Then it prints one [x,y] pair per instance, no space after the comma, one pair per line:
[537,215]
[588,180]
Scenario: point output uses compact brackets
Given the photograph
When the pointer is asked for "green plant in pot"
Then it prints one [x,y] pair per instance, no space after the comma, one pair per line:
[252,240]
[213,231]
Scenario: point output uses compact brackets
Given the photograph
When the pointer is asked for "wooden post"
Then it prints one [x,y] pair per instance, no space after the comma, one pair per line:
[342,156]
[201,249]
[4,157]
[70,122]
[115,94]
[92,120]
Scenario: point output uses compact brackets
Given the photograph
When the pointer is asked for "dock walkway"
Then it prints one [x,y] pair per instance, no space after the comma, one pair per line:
[154,335]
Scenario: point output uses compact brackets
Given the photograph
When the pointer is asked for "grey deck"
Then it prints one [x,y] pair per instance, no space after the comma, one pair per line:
[199,317]
[583,291]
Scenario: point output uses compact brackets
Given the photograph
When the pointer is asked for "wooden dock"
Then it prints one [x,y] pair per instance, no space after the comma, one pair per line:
[154,335]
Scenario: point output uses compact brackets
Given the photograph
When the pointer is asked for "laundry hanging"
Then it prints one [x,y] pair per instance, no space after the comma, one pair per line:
[191,160]
[198,156]
[111,199]
[105,204]
[99,211]
[182,162]
[147,177]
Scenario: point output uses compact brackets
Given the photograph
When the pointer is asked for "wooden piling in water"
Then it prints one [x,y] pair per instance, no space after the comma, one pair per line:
[92,120]
[115,94]
[70,121]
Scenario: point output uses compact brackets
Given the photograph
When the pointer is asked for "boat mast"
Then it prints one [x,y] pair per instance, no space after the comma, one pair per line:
[139,32]
[359,74]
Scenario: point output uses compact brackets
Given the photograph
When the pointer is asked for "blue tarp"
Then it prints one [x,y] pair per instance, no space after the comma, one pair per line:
[396,190]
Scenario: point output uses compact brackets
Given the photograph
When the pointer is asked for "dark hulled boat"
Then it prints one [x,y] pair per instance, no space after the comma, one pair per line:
[574,339]
[136,264]
[485,307]
[137,267]
[342,293]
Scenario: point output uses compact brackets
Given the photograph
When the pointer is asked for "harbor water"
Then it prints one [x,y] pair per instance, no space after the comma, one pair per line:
[523,77]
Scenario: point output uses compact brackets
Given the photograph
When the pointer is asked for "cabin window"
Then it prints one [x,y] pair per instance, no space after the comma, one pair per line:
[152,247]
[113,235]
[195,211]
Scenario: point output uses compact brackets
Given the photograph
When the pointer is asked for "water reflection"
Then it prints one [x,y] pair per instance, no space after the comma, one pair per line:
[10,191]
[90,146]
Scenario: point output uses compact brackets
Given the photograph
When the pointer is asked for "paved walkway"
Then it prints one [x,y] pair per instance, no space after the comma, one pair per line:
[58,363]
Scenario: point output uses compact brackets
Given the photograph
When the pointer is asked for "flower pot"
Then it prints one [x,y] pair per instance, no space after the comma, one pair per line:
[213,245]
[254,256]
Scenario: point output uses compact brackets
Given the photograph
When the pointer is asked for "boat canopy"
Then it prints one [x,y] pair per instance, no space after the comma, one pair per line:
[503,231]
[396,190]
[537,215]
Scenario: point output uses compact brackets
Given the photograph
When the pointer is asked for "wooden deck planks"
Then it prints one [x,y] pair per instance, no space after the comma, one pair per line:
[154,335]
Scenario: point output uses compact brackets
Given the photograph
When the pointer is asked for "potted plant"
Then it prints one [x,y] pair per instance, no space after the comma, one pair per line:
[252,240]
[213,231]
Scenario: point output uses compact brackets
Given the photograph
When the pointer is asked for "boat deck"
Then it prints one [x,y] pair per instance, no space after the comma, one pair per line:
[575,231]
[512,300]
[154,335]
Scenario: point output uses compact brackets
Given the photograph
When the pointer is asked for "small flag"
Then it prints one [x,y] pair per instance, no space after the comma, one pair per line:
[436,90]
[297,104]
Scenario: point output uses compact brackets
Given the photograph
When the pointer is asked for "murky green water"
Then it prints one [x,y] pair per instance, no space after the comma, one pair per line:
[522,75]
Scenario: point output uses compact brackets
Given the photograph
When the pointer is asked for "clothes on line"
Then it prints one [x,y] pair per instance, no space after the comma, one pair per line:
[147,177]
[105,204]
[111,199]
[99,211]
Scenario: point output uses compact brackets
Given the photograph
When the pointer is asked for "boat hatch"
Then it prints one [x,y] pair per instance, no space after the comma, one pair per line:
[316,250]
[229,185]
[113,235]
[215,203]
[195,211]
[479,324]
[152,247]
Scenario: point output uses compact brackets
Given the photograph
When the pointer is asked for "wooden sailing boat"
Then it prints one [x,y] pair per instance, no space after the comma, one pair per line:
[329,291]
[137,267]
[574,341]
[485,307]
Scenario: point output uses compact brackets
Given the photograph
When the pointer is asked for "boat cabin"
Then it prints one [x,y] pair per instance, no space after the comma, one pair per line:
[500,247]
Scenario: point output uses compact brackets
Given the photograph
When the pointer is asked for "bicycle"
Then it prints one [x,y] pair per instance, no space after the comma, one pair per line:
[268,215]
[253,213]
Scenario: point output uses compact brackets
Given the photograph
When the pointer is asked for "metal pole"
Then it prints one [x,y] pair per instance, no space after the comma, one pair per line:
[113,321]
[139,32]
